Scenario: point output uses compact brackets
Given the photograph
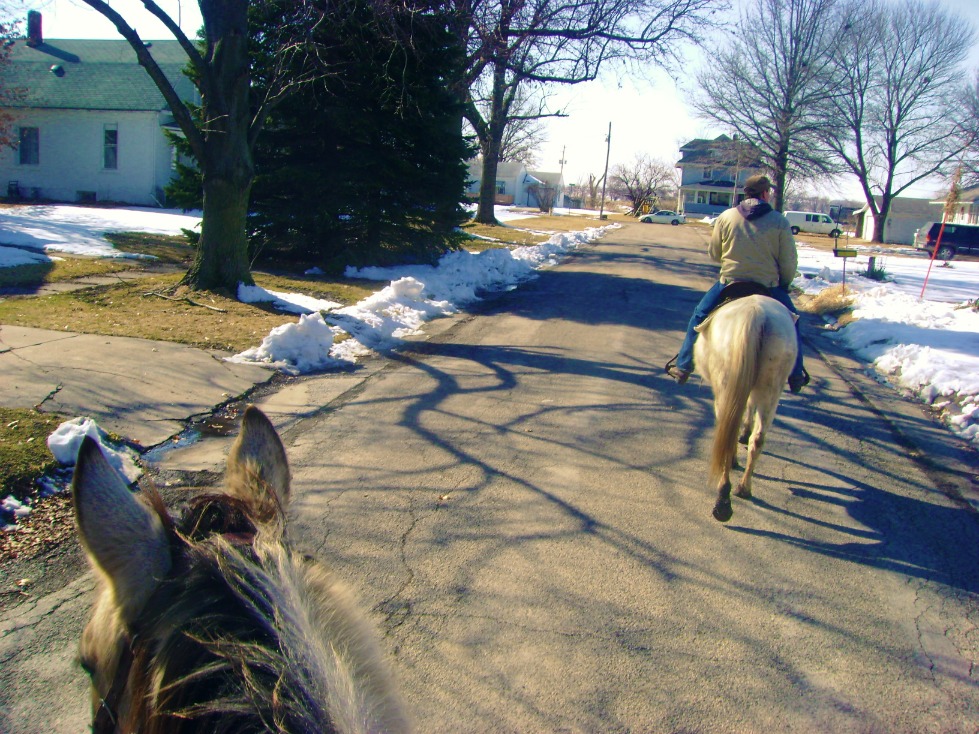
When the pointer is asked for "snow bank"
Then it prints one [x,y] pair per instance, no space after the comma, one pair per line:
[66,439]
[416,294]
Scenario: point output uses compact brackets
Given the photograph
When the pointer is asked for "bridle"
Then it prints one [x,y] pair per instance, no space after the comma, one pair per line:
[106,719]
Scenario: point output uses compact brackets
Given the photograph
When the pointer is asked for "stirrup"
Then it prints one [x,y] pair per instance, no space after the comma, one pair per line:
[681,376]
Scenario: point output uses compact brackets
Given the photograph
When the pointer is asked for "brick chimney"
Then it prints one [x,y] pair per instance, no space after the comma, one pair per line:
[34,36]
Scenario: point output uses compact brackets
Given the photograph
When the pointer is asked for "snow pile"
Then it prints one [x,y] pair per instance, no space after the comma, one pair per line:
[416,294]
[64,443]
[80,230]
[288,302]
[929,348]
[66,439]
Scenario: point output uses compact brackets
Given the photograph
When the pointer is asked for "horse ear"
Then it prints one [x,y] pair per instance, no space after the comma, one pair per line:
[122,537]
[258,454]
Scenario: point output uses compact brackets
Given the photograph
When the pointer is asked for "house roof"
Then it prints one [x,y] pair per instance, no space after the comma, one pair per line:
[721,151]
[547,178]
[905,206]
[85,74]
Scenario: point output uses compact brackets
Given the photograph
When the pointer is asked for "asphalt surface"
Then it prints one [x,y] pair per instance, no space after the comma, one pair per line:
[520,501]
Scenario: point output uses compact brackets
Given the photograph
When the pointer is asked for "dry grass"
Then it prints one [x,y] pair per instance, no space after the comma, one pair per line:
[144,309]
[29,276]
[832,301]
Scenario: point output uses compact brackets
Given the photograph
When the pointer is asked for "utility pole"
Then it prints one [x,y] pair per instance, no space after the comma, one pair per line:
[561,176]
[608,149]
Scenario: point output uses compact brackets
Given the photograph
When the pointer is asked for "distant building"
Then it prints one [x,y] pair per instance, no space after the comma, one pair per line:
[906,216]
[515,184]
[89,125]
[966,210]
[713,173]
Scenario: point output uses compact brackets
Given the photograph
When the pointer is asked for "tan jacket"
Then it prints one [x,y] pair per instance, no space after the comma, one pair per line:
[761,250]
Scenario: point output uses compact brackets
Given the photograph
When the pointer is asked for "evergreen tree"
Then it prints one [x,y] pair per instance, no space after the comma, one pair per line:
[365,165]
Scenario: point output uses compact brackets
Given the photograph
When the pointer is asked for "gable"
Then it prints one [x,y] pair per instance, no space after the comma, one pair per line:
[84,74]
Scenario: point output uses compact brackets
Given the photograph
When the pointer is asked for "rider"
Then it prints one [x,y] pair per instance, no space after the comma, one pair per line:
[752,242]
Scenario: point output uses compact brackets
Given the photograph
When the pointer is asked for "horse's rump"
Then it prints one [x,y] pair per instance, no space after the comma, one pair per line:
[745,351]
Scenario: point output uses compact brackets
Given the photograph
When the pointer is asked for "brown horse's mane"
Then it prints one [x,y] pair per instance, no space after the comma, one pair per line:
[211,653]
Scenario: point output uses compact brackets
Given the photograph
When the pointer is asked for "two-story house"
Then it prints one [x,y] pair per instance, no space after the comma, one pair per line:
[713,173]
[88,122]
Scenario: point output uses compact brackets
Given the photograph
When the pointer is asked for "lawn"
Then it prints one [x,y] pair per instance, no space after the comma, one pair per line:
[148,303]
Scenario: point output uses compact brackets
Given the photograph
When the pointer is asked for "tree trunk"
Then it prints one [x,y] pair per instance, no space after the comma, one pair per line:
[227,167]
[880,218]
[491,146]
[486,212]
[222,260]
[778,185]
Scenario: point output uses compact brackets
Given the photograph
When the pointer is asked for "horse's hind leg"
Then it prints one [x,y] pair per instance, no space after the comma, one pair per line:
[755,444]
[762,422]
[722,508]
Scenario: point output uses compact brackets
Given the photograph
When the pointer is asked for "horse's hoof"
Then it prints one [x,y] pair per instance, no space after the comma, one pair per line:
[743,493]
[723,511]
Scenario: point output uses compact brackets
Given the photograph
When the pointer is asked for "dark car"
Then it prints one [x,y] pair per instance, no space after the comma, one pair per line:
[957,239]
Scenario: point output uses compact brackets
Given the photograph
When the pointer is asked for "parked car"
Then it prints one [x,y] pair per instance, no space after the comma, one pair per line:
[663,217]
[960,239]
[813,222]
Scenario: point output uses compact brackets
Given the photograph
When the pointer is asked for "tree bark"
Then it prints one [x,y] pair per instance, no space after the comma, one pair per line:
[222,261]
[228,170]
[491,142]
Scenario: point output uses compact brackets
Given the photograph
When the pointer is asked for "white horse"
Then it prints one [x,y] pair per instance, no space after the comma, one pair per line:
[745,351]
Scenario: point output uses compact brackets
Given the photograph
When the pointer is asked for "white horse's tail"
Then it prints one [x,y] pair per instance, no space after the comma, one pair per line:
[731,393]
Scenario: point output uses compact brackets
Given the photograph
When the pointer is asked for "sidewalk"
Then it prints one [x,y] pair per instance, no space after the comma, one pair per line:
[142,390]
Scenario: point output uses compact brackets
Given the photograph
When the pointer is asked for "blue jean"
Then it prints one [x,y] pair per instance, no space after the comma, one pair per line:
[708,303]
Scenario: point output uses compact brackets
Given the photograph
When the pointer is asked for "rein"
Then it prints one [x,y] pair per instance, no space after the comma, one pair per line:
[106,718]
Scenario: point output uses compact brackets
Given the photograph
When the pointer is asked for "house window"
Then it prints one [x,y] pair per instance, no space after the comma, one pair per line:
[29,148]
[110,147]
[718,198]
[708,174]
[701,199]
[501,187]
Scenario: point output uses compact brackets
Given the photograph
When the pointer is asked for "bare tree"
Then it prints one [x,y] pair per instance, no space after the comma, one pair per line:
[9,95]
[513,43]
[767,80]
[970,130]
[894,122]
[641,182]
[524,133]
[234,107]
[590,190]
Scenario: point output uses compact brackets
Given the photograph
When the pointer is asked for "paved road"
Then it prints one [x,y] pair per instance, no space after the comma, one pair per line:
[521,501]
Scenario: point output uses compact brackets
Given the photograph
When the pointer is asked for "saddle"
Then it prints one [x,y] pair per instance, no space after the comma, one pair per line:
[732,292]
[741,289]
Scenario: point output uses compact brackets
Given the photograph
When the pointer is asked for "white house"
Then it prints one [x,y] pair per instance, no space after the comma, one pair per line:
[966,210]
[90,123]
[515,184]
[713,173]
[906,216]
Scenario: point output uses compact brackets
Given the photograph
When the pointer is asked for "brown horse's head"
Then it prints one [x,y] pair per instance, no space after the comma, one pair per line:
[208,622]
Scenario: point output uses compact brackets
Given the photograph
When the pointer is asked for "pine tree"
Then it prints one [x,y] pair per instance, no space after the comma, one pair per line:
[366,164]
